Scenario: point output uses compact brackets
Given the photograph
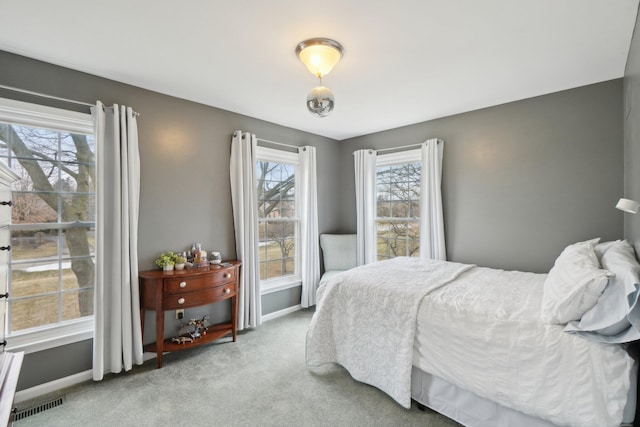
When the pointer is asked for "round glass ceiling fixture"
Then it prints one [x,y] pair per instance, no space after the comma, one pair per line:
[320,101]
[320,55]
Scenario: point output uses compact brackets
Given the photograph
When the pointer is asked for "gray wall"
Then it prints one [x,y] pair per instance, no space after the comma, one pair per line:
[185,194]
[631,102]
[520,180]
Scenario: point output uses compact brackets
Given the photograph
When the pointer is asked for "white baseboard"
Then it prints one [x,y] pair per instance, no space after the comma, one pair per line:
[281,313]
[53,386]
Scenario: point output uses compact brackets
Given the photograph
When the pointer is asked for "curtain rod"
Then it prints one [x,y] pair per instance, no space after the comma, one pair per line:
[405,146]
[43,95]
[402,147]
[57,98]
[278,143]
[399,148]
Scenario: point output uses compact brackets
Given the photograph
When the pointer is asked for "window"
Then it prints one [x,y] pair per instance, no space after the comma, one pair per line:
[52,263]
[278,223]
[398,205]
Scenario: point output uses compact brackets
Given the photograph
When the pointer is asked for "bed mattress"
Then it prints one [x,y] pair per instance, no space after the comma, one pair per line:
[483,333]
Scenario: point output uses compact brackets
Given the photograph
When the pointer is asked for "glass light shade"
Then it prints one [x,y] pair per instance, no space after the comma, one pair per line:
[320,101]
[628,205]
[319,55]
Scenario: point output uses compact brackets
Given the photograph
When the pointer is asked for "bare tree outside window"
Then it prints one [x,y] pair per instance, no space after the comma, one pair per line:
[398,210]
[53,225]
[277,220]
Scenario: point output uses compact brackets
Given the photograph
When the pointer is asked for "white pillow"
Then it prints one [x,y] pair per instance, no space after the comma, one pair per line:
[602,247]
[608,320]
[574,284]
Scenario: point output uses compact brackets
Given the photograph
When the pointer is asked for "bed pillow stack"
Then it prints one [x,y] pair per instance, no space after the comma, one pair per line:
[574,284]
[616,316]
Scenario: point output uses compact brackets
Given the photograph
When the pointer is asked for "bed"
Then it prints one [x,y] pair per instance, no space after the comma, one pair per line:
[476,343]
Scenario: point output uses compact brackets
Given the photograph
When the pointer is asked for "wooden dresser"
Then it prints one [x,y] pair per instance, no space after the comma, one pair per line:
[172,290]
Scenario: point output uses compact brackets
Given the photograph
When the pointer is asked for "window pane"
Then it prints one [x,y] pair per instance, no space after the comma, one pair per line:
[56,193]
[274,269]
[289,266]
[34,244]
[33,208]
[288,209]
[276,202]
[400,209]
[398,246]
[77,304]
[382,248]
[78,207]
[275,231]
[414,208]
[83,277]
[32,312]
[263,270]
[34,279]
[36,175]
[397,210]
[414,247]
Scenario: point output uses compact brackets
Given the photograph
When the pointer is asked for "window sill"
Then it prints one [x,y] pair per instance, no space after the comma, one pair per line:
[270,288]
[42,339]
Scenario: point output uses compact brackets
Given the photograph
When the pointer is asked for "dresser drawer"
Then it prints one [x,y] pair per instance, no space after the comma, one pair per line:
[224,276]
[196,298]
[188,284]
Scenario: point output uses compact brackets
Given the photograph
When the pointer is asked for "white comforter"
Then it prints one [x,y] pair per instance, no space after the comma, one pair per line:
[483,333]
[365,320]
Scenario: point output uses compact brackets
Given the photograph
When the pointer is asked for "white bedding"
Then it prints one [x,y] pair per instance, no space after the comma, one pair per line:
[365,320]
[481,332]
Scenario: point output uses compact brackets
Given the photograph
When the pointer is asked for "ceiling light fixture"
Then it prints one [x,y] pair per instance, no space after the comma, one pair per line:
[320,55]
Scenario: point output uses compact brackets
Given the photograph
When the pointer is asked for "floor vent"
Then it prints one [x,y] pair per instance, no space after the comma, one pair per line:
[37,408]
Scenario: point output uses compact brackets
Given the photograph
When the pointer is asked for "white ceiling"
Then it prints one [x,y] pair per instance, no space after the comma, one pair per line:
[406,61]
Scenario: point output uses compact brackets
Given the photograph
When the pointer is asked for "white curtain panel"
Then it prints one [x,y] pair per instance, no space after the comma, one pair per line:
[244,200]
[431,217]
[365,171]
[117,341]
[309,238]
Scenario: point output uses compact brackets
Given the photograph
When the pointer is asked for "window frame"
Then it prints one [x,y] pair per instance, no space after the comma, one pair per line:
[280,156]
[40,116]
[397,158]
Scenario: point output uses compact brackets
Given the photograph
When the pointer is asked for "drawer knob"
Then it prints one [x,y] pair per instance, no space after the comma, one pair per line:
[183,284]
[180,300]
[226,275]
[226,291]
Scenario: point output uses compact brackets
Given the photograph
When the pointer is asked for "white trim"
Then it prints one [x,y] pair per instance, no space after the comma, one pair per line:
[41,116]
[52,386]
[60,383]
[55,385]
[288,146]
[275,155]
[409,156]
[279,285]
[285,157]
[56,336]
[281,313]
[28,114]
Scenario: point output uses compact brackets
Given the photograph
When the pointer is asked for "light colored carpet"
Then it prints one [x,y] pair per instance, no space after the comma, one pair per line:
[261,380]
